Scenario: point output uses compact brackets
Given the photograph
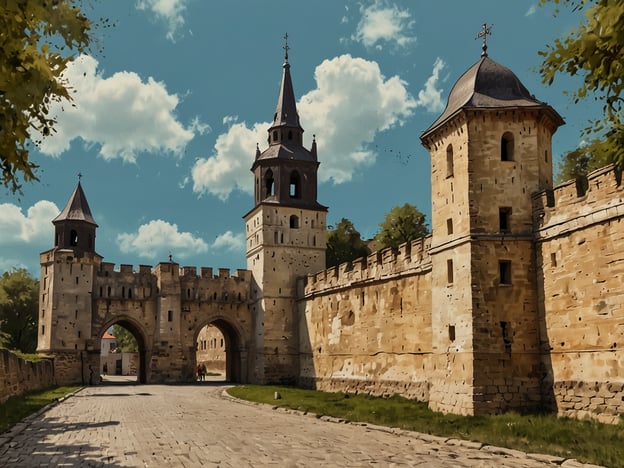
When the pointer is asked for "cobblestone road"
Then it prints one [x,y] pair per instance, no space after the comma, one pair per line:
[193,426]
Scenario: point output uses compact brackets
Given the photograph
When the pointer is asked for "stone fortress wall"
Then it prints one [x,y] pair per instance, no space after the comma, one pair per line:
[580,263]
[365,326]
[20,376]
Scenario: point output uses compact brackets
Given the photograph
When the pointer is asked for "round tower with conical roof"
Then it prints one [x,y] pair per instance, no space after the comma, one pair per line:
[66,285]
[286,238]
[490,150]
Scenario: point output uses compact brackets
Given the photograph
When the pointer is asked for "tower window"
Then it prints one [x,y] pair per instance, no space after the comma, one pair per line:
[449,160]
[290,134]
[274,135]
[269,183]
[504,218]
[504,267]
[295,183]
[451,332]
[449,226]
[294,222]
[449,271]
[507,147]
[73,238]
[170,315]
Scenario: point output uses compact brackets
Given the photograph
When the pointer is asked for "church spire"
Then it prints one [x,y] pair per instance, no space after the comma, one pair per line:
[286,109]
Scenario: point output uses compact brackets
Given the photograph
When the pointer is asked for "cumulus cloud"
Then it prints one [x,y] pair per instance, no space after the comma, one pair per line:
[430,97]
[158,238]
[351,104]
[228,168]
[531,11]
[168,11]
[229,241]
[382,22]
[122,114]
[33,227]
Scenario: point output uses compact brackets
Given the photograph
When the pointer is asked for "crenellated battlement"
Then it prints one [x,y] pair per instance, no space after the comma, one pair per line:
[143,283]
[408,259]
[108,269]
[569,206]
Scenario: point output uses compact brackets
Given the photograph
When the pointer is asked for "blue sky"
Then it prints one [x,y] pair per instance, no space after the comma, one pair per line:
[170,103]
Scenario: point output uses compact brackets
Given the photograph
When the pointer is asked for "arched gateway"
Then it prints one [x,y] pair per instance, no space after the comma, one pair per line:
[165,307]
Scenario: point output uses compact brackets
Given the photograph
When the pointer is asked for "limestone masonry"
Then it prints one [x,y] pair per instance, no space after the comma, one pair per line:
[514,302]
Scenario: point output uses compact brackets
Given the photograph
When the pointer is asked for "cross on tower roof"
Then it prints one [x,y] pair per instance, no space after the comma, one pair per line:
[483,34]
[286,47]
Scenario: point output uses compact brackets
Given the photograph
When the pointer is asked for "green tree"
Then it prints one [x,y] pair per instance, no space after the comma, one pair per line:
[402,224]
[125,340]
[19,303]
[595,52]
[38,38]
[344,244]
[576,164]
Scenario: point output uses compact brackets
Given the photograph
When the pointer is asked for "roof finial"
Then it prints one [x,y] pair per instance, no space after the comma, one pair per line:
[79,176]
[286,48]
[483,34]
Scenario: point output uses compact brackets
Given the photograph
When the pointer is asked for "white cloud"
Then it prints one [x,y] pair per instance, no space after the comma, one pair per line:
[229,241]
[35,227]
[384,22]
[122,114]
[169,11]
[351,104]
[531,11]
[430,97]
[228,169]
[158,238]
[230,119]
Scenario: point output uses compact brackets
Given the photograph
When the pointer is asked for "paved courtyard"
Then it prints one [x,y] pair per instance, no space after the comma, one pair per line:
[195,425]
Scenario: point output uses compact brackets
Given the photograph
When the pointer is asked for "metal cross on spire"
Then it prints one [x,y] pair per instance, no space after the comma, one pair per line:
[483,34]
[286,47]
[79,176]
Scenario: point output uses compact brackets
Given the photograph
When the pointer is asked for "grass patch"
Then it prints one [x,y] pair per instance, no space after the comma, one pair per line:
[587,441]
[17,408]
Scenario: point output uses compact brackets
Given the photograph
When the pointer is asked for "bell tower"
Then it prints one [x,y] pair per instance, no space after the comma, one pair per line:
[65,304]
[285,235]
[490,150]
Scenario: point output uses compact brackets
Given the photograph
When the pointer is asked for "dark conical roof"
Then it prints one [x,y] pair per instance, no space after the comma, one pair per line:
[488,84]
[77,208]
[286,109]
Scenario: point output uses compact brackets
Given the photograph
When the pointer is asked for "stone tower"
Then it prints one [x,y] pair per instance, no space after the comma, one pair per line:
[490,150]
[67,276]
[286,238]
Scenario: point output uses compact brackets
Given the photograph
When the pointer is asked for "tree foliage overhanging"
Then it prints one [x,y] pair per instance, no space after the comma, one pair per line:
[594,51]
[19,304]
[402,224]
[38,38]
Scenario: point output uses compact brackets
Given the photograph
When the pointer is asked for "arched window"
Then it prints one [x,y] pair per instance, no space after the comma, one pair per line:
[73,238]
[449,160]
[295,185]
[294,222]
[269,183]
[507,147]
